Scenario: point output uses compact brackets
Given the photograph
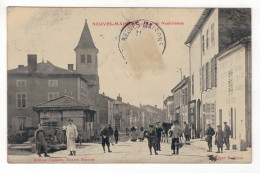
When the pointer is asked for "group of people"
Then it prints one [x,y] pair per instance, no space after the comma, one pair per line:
[221,137]
[71,136]
[153,135]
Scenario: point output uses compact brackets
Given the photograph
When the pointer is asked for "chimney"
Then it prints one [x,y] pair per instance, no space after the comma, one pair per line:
[119,98]
[70,67]
[20,66]
[32,63]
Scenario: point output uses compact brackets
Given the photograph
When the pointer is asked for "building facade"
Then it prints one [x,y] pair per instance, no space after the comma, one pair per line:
[40,82]
[234,91]
[181,94]
[169,105]
[215,30]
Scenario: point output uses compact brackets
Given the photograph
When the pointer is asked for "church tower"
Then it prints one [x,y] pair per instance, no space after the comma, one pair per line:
[87,64]
[86,54]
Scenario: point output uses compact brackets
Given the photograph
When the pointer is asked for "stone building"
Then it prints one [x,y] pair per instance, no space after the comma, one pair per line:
[181,94]
[234,91]
[41,82]
[214,31]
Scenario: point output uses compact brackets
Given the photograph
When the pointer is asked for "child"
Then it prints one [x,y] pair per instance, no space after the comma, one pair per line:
[219,139]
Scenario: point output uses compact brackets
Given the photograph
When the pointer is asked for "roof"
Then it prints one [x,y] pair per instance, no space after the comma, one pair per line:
[180,84]
[43,68]
[244,40]
[86,40]
[198,25]
[62,103]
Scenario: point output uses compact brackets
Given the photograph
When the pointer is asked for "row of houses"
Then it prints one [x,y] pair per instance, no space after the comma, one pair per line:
[218,88]
[123,115]
[44,92]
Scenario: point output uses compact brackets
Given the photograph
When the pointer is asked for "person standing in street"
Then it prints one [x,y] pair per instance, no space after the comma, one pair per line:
[219,139]
[227,133]
[141,134]
[175,133]
[116,135]
[40,141]
[151,134]
[72,134]
[209,132]
[158,130]
[187,131]
[105,138]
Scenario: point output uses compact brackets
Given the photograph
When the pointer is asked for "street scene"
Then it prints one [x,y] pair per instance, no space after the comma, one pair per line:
[129,85]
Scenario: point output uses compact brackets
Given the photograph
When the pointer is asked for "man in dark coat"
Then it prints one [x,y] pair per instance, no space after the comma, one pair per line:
[40,141]
[227,133]
[209,132]
[151,134]
[158,130]
[105,138]
[116,135]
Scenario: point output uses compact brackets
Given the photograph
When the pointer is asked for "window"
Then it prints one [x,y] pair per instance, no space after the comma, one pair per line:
[213,72]
[82,58]
[21,100]
[207,75]
[230,82]
[207,39]
[192,84]
[53,95]
[53,83]
[21,121]
[21,83]
[89,60]
[203,44]
[212,34]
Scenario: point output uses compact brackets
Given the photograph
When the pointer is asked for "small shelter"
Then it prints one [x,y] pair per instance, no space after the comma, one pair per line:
[58,111]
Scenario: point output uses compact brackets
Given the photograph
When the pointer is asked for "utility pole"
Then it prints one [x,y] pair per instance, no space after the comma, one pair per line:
[179,71]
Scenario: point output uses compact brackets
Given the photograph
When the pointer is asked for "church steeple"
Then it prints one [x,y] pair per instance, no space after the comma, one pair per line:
[86,41]
[86,53]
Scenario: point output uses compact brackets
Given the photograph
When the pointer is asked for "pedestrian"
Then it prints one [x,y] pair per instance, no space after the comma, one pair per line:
[227,133]
[186,131]
[151,134]
[116,135]
[72,134]
[41,144]
[158,130]
[141,134]
[133,134]
[111,132]
[175,133]
[105,138]
[209,132]
[219,139]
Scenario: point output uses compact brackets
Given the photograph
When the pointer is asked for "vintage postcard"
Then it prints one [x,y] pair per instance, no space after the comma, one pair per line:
[129,85]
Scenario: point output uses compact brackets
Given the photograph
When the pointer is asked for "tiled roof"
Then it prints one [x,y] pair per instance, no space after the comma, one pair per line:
[62,103]
[43,68]
[198,25]
[86,40]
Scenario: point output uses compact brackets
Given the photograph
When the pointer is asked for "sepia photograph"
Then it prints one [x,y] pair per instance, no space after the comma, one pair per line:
[92,85]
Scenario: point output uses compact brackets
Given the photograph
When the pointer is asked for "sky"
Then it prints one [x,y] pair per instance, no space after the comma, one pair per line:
[53,33]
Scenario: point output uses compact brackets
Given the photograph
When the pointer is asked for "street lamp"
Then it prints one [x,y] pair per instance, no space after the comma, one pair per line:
[179,71]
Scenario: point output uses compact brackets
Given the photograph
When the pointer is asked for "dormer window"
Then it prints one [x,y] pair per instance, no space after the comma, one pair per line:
[89,60]
[82,59]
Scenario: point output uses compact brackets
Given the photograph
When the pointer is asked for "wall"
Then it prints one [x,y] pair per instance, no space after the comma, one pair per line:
[86,68]
[231,92]
[37,92]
